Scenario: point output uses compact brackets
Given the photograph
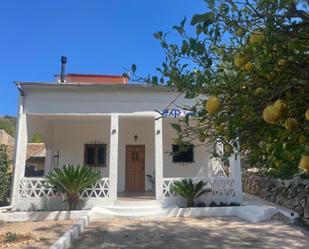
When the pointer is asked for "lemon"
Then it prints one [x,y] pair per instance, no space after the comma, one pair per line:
[277,163]
[240,32]
[241,59]
[257,37]
[302,139]
[219,129]
[291,124]
[270,114]
[248,66]
[304,163]
[282,63]
[202,137]
[259,91]
[213,104]
[281,106]
[228,148]
[307,114]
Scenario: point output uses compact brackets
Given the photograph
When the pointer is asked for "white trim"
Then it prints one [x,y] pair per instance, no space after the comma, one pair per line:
[113,156]
[158,133]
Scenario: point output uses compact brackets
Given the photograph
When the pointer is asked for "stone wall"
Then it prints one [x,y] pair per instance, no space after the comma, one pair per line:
[292,193]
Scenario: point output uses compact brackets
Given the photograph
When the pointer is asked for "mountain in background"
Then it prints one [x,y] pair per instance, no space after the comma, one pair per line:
[8,123]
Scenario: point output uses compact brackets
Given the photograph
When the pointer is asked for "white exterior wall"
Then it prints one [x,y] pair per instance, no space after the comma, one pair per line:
[170,169]
[70,137]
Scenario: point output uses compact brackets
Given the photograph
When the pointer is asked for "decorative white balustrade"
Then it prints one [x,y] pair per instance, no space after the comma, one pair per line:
[222,188]
[35,187]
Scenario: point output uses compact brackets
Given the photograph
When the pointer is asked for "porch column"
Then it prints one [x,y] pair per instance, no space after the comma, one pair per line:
[20,152]
[113,157]
[159,157]
[235,173]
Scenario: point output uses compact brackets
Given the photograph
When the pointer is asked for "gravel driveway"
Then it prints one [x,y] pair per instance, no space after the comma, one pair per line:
[190,233]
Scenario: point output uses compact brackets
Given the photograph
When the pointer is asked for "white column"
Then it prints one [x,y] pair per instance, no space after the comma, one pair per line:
[113,156]
[235,173]
[158,132]
[20,151]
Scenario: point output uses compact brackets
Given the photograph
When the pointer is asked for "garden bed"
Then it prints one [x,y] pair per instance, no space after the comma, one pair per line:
[34,235]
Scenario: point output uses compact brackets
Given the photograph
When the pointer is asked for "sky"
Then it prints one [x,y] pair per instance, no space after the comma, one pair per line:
[97,36]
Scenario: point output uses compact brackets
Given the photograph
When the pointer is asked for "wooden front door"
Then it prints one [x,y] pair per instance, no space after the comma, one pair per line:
[135,168]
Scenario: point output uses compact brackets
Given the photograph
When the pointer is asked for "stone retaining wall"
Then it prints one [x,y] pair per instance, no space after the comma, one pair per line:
[292,193]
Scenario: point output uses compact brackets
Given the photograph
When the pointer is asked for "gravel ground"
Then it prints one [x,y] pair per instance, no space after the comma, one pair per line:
[193,233]
[42,233]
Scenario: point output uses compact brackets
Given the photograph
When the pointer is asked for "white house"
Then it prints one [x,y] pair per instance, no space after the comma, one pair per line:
[114,127]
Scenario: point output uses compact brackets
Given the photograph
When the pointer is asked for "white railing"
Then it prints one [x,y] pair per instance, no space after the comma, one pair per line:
[222,188]
[35,187]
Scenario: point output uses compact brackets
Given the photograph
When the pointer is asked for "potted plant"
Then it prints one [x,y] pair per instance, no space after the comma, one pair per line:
[189,190]
[71,180]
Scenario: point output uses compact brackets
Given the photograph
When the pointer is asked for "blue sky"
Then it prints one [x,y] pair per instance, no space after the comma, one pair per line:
[97,36]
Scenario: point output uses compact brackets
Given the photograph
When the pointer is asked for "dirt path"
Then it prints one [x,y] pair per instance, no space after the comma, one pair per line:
[185,233]
[42,233]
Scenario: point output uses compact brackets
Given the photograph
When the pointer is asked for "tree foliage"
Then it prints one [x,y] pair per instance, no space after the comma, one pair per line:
[252,57]
[4,178]
[8,124]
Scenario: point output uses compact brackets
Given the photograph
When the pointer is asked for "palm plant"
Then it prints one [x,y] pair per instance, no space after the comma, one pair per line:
[71,180]
[189,190]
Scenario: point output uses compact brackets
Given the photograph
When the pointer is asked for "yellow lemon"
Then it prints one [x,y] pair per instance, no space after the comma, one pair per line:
[259,91]
[241,59]
[270,114]
[302,139]
[277,163]
[228,148]
[291,124]
[213,104]
[257,37]
[202,137]
[307,114]
[248,66]
[304,163]
[282,63]
[281,106]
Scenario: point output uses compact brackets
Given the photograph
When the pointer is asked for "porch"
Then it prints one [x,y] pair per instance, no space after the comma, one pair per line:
[134,149]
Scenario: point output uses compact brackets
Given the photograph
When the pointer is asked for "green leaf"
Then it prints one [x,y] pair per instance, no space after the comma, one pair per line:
[176,127]
[158,35]
[207,17]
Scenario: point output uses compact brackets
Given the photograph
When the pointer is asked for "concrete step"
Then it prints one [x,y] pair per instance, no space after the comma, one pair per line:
[127,212]
[135,202]
[134,209]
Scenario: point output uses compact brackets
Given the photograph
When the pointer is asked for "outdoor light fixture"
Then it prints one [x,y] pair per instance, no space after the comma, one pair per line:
[135,137]
[114,131]
[56,159]
[158,132]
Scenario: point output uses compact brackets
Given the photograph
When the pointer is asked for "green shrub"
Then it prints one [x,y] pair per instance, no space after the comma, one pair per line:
[71,180]
[189,190]
[4,178]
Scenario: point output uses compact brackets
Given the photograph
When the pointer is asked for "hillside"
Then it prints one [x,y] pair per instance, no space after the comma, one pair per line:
[8,123]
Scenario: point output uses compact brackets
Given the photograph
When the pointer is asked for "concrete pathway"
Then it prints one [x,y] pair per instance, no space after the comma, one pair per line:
[184,233]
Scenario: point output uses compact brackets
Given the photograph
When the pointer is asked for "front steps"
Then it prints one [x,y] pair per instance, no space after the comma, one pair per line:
[130,209]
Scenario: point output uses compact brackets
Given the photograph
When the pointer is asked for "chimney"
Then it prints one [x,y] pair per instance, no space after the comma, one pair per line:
[62,73]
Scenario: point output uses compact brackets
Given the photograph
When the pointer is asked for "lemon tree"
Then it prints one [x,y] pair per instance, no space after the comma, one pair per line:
[251,58]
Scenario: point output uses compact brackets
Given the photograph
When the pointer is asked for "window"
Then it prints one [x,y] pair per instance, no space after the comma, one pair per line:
[183,156]
[95,155]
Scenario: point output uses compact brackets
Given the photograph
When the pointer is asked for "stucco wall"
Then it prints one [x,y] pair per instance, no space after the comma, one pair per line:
[69,138]
[170,169]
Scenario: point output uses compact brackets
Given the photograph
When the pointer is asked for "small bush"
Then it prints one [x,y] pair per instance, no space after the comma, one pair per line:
[9,237]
